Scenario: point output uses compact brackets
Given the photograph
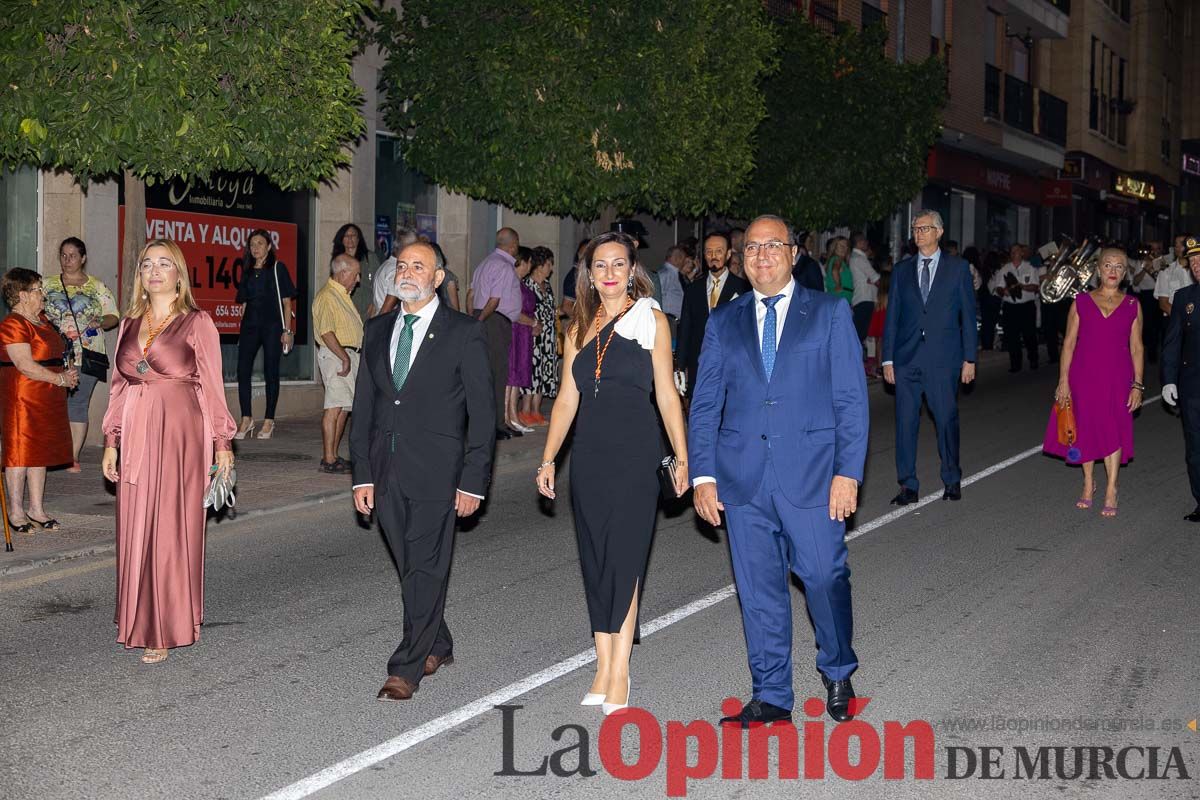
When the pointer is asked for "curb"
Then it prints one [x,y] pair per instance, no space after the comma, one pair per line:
[217,526]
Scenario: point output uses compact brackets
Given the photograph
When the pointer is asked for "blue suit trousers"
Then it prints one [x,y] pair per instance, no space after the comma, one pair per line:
[769,539]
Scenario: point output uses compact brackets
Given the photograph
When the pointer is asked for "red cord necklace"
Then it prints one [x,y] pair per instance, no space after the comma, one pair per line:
[600,353]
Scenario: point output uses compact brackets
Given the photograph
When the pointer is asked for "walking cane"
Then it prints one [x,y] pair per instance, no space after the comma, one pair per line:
[8,548]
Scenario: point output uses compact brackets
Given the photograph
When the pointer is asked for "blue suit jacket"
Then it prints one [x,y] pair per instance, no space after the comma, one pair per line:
[939,333]
[812,413]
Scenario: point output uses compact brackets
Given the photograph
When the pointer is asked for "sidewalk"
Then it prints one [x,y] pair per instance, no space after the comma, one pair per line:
[273,475]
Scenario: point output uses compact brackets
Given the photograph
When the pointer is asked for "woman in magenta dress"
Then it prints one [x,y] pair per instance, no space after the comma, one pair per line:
[1100,375]
[520,352]
[168,417]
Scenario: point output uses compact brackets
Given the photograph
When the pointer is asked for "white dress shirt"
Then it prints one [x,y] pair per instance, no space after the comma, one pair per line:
[1026,273]
[1172,279]
[420,331]
[865,278]
[935,259]
[718,281]
[760,315]
[420,327]
[383,283]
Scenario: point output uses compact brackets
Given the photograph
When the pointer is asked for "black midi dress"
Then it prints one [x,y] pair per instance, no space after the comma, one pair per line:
[614,485]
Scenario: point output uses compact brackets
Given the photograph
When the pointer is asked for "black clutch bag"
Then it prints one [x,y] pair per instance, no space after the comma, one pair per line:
[666,478]
[94,364]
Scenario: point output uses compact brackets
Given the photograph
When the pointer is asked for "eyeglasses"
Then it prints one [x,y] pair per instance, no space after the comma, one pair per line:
[620,265]
[924,228]
[163,265]
[771,248]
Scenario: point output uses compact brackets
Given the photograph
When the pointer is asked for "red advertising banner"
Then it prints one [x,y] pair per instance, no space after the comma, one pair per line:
[1056,192]
[214,247]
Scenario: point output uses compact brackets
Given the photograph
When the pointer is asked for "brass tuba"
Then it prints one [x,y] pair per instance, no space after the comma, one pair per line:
[1072,270]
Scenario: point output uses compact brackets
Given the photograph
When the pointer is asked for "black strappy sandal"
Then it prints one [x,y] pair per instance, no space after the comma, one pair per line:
[15,528]
[46,525]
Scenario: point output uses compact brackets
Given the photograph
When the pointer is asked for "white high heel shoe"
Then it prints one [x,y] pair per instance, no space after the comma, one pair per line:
[612,708]
[592,699]
[245,433]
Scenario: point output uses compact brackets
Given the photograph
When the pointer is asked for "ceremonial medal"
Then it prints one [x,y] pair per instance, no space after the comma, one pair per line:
[1190,307]
[142,367]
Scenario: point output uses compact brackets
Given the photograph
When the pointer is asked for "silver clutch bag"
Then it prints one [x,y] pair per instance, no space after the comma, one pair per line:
[220,489]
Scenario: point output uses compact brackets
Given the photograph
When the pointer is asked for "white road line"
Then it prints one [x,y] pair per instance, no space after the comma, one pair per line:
[381,752]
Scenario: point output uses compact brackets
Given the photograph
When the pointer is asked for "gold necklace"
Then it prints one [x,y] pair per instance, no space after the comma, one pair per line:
[143,366]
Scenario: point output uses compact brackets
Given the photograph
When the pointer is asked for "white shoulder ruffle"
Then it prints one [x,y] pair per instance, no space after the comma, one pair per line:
[638,323]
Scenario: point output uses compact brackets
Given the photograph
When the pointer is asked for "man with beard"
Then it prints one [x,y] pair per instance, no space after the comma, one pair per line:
[701,297]
[422,451]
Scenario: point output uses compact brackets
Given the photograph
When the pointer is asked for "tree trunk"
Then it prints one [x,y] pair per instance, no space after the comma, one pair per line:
[133,235]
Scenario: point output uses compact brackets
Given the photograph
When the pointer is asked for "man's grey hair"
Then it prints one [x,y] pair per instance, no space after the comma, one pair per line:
[933,215]
[340,263]
[404,237]
[791,232]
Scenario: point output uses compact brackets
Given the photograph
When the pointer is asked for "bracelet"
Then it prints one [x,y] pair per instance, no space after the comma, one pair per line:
[545,464]
[1139,386]
[58,379]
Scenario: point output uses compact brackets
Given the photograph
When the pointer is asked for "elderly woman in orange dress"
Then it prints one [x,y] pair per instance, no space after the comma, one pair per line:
[166,421]
[33,399]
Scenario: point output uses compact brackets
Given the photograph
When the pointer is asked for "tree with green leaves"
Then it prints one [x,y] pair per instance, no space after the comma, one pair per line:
[571,107]
[153,89]
[847,129]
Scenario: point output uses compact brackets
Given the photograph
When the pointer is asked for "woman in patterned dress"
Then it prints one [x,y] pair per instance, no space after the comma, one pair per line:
[545,344]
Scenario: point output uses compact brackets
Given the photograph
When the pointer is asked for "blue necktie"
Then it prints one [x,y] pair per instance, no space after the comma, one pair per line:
[925,279]
[403,351]
[768,335]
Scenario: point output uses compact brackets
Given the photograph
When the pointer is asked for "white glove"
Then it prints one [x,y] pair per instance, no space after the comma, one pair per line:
[1170,394]
[681,381]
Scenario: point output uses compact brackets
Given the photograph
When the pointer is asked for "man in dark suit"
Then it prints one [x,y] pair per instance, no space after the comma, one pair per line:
[778,441]
[806,270]
[422,446]
[701,297]
[929,340]
[1181,366]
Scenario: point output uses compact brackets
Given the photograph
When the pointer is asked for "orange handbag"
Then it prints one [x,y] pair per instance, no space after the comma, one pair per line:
[1066,423]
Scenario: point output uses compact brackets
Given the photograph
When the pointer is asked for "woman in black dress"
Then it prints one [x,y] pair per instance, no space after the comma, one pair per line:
[266,294]
[617,352]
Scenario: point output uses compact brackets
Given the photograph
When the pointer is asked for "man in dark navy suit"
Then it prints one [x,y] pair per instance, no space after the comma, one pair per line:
[929,340]
[701,297]
[1181,366]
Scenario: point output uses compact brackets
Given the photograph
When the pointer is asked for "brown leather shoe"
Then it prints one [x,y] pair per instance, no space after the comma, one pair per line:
[433,663]
[396,688]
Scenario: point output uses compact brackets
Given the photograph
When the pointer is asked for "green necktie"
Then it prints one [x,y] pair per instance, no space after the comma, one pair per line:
[403,350]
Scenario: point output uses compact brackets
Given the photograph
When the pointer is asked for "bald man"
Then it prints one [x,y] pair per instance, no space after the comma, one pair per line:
[496,293]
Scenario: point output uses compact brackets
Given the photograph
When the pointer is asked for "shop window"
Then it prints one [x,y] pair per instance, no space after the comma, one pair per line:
[18,218]
[404,198]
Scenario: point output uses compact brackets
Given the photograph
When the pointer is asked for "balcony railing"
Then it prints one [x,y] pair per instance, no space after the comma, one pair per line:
[991,91]
[825,16]
[1018,103]
[1052,118]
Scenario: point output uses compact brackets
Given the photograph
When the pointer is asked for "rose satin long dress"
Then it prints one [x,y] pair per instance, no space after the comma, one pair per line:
[167,423]
[33,414]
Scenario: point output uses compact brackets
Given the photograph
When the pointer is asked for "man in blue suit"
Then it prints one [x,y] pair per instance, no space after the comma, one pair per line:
[929,339]
[778,440]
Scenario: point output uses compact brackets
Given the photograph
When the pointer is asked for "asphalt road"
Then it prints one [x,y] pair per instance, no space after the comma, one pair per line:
[1008,620]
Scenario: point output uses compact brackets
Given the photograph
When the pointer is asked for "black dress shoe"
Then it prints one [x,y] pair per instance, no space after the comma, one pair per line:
[502,434]
[905,497]
[757,711]
[513,433]
[838,697]
[1192,517]
[953,492]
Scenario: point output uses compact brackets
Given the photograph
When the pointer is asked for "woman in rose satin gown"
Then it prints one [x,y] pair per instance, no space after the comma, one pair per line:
[168,417]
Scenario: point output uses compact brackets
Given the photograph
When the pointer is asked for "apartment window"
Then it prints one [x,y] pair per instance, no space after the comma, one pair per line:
[937,19]
[1018,61]
[1122,108]
[872,16]
[1093,92]
[991,48]
[18,218]
[1168,104]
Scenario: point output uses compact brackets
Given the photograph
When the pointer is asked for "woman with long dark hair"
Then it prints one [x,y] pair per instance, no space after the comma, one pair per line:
[266,293]
[618,356]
